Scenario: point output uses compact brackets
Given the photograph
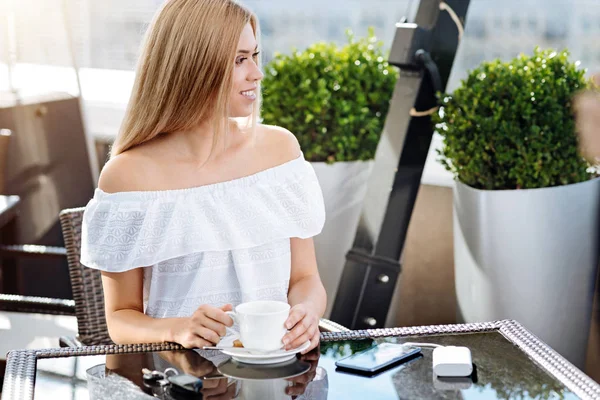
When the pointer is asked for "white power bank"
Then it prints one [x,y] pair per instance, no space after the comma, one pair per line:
[452,361]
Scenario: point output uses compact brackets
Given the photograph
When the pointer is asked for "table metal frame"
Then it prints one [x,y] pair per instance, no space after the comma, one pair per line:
[19,380]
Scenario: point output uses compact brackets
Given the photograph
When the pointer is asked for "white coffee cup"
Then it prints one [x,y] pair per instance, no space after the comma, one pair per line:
[261,324]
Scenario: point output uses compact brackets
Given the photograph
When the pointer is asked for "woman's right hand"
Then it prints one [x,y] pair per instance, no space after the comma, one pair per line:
[204,328]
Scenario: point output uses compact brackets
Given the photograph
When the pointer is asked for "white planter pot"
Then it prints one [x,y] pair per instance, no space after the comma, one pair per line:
[530,255]
[344,186]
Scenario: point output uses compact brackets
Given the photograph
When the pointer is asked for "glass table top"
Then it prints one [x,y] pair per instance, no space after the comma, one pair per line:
[501,371]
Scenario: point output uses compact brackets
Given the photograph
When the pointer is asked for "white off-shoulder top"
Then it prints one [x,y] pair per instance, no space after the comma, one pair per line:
[221,243]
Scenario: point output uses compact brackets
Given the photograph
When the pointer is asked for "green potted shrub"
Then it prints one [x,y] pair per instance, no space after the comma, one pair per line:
[526,206]
[335,100]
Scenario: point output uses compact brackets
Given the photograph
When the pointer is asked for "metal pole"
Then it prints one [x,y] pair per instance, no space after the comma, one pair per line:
[373,264]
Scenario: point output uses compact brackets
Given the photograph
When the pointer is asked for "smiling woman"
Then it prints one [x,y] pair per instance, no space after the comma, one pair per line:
[184,77]
[195,213]
[244,69]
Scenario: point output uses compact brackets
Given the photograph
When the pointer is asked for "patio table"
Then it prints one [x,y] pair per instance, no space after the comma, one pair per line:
[509,362]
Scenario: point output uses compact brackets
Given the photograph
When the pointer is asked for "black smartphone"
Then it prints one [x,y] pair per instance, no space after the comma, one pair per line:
[377,358]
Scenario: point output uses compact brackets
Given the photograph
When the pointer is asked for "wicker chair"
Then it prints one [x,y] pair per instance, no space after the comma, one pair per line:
[88,298]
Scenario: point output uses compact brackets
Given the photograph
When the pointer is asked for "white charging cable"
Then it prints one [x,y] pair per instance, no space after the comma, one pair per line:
[422,344]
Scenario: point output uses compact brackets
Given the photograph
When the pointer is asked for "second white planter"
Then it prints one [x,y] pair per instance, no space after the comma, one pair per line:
[530,255]
[344,186]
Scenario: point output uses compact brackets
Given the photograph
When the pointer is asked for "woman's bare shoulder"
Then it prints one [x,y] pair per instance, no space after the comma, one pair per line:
[279,141]
[127,172]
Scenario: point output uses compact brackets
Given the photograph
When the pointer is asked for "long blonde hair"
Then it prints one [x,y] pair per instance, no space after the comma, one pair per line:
[184,73]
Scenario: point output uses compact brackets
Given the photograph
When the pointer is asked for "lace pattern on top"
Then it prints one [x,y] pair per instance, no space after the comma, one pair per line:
[126,230]
[215,244]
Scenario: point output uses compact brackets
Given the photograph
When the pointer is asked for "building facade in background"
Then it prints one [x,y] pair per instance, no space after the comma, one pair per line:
[495,29]
[107,34]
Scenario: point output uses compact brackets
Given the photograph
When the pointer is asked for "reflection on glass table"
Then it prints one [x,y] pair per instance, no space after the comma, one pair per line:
[120,376]
[501,371]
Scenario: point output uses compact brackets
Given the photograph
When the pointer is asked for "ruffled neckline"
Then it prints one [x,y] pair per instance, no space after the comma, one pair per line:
[268,174]
[126,230]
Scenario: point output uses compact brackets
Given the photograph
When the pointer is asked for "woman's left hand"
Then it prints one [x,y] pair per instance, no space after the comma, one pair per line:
[303,324]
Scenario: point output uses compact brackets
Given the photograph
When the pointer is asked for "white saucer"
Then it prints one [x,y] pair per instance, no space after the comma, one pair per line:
[249,357]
